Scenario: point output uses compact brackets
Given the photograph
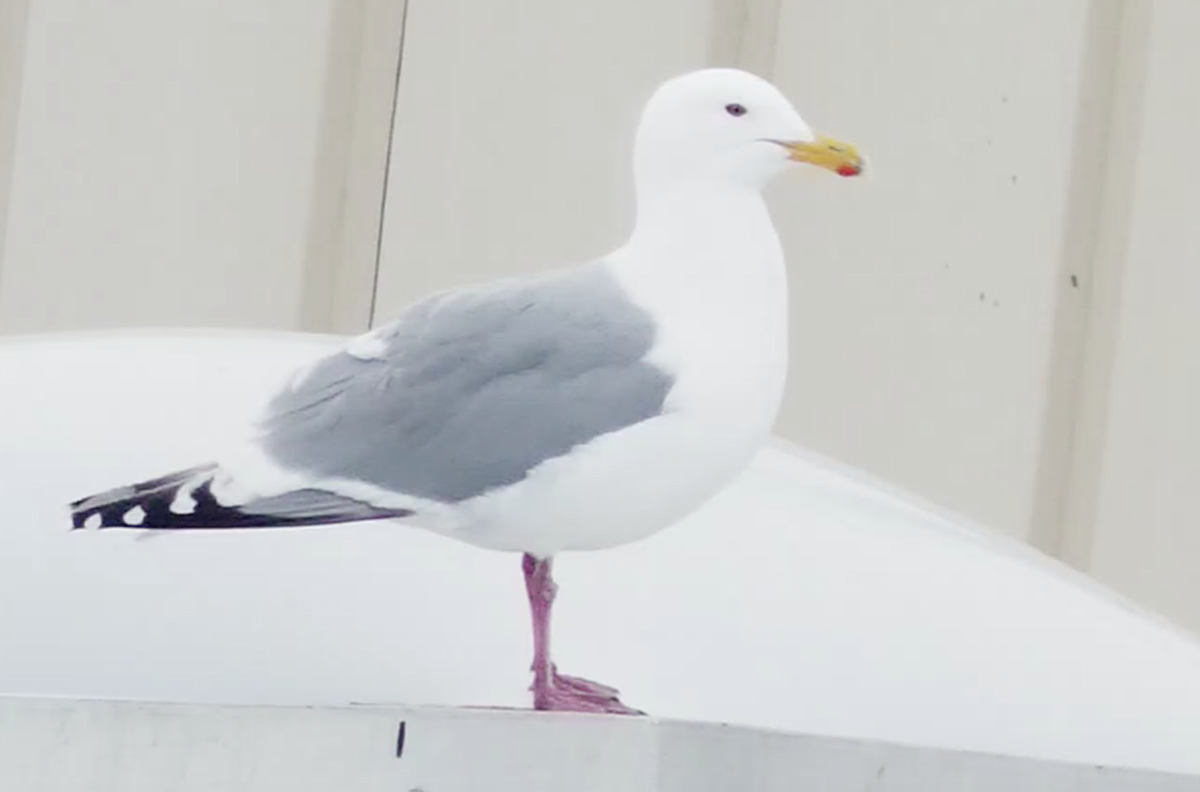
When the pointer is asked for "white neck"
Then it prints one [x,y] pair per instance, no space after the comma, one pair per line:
[706,240]
[708,265]
[662,211]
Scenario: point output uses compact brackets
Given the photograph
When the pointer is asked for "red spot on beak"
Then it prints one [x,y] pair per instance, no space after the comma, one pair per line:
[849,170]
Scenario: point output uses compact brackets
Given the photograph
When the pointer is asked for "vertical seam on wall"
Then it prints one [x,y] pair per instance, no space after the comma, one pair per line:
[1086,313]
[12,80]
[1092,133]
[387,168]
[1081,499]
[759,36]
[329,202]
[358,98]
[743,35]
[727,32]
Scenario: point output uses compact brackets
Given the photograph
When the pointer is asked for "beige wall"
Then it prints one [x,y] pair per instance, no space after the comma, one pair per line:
[924,299]
[999,318]
[174,162]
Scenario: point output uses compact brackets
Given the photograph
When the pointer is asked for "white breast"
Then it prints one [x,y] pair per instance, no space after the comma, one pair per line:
[718,291]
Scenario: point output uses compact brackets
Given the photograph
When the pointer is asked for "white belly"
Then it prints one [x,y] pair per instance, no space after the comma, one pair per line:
[617,489]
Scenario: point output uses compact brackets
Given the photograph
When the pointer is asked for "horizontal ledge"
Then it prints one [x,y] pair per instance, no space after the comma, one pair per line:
[67,744]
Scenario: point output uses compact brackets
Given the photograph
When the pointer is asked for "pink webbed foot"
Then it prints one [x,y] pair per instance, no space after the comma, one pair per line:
[552,691]
[585,686]
[563,693]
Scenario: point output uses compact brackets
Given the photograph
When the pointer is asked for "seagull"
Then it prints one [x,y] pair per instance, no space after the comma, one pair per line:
[581,408]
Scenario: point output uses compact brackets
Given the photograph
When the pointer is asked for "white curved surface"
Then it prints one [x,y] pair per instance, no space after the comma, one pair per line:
[803,598]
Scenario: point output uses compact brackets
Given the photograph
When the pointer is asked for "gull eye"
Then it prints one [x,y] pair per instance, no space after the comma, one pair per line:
[736,110]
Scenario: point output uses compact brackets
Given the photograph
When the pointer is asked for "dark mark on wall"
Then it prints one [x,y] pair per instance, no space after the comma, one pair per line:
[400,740]
[1014,178]
[1074,282]
[982,296]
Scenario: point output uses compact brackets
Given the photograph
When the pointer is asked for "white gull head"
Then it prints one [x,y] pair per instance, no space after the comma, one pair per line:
[728,128]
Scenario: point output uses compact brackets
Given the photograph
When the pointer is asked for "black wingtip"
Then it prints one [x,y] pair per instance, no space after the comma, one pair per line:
[78,518]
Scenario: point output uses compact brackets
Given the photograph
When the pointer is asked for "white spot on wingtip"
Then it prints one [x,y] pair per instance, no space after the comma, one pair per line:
[135,516]
[184,503]
[93,522]
[228,492]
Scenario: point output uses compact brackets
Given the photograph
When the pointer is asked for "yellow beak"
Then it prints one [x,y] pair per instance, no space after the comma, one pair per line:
[834,155]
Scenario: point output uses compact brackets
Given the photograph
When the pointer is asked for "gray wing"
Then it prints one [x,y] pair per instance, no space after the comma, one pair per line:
[470,390]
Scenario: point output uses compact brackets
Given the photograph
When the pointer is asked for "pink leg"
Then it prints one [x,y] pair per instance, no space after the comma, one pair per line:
[551,690]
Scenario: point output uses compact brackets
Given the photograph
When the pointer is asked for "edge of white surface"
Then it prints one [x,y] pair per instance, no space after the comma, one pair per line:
[231,333]
[957,523]
[108,745]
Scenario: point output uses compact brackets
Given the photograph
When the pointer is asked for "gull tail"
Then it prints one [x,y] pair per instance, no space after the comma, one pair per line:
[184,500]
